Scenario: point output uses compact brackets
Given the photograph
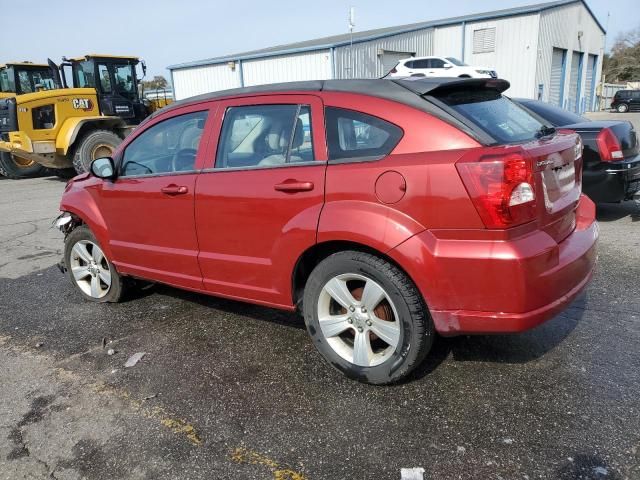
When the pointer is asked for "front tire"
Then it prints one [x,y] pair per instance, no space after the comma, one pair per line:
[13,167]
[366,317]
[94,144]
[623,108]
[90,271]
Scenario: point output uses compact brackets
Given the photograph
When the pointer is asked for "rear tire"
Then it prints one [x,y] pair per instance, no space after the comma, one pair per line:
[379,344]
[623,108]
[12,167]
[94,144]
[465,76]
[90,271]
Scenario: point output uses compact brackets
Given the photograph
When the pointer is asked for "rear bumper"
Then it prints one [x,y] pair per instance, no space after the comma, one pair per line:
[618,181]
[480,286]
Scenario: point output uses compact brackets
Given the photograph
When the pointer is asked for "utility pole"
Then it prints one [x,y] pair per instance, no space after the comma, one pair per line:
[352,24]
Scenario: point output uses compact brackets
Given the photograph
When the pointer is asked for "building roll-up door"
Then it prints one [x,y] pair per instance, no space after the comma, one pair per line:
[589,84]
[575,79]
[390,59]
[556,84]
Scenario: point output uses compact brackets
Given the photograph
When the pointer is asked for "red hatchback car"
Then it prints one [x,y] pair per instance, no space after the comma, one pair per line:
[384,210]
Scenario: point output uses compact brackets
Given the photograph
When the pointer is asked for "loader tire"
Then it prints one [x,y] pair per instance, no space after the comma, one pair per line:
[63,173]
[94,144]
[12,167]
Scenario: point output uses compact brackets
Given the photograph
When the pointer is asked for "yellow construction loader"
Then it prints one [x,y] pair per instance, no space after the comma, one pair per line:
[71,126]
[18,78]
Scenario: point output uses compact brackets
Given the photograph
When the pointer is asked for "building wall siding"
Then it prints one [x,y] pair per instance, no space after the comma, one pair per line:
[514,56]
[287,68]
[523,55]
[559,28]
[363,60]
[188,82]
[447,41]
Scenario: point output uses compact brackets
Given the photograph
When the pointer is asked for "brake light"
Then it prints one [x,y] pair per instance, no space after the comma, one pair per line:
[393,70]
[501,187]
[609,146]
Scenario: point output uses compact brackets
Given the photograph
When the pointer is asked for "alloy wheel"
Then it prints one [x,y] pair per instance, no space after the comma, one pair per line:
[90,269]
[358,319]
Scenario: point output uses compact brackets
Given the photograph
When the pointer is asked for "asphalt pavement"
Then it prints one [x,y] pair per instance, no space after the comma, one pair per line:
[227,390]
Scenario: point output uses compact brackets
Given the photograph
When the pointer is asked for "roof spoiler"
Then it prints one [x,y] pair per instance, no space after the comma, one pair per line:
[431,86]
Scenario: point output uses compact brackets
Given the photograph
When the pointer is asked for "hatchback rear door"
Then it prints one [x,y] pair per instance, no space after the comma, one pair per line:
[259,199]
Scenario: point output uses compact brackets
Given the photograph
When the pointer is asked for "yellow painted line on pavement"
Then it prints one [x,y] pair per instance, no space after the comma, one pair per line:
[244,455]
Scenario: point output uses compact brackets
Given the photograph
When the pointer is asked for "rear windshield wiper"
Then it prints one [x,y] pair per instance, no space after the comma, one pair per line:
[545,131]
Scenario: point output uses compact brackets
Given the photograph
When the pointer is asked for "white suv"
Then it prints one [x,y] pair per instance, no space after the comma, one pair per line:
[438,67]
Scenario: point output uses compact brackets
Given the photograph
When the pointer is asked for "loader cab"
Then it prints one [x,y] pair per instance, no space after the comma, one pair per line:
[25,77]
[115,80]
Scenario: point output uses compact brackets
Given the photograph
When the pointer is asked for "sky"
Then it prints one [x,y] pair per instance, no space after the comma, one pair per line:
[166,32]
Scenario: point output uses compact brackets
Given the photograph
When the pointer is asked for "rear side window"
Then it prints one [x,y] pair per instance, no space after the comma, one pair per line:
[356,135]
[498,116]
[421,64]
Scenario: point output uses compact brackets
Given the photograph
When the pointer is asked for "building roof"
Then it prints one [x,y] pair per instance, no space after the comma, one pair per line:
[367,35]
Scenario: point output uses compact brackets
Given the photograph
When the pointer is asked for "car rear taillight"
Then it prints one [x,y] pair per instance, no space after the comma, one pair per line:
[501,186]
[609,146]
[393,70]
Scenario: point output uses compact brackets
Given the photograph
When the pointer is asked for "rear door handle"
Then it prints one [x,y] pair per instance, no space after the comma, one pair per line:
[292,186]
[174,190]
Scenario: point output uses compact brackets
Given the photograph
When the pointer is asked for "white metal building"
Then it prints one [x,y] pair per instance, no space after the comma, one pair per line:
[551,51]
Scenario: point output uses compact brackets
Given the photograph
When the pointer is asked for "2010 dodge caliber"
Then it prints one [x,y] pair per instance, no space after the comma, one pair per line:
[383,210]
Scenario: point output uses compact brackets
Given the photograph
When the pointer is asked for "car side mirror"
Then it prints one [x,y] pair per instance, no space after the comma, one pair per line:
[448,66]
[103,168]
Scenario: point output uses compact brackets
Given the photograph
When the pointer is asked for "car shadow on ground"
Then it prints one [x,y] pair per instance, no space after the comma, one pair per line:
[610,212]
[509,349]
[255,312]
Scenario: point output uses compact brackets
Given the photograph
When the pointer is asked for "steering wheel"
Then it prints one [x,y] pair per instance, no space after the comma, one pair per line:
[183,160]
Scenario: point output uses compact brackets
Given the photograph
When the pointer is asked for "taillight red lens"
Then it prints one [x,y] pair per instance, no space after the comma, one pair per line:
[609,146]
[501,187]
[393,70]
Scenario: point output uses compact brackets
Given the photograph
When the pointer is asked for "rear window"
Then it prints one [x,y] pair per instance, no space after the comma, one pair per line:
[557,116]
[498,116]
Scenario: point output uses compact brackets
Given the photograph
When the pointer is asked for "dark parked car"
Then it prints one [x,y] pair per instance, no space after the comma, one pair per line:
[383,210]
[611,169]
[626,100]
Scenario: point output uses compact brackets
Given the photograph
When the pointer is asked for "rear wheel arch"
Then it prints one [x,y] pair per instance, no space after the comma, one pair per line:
[75,129]
[315,254]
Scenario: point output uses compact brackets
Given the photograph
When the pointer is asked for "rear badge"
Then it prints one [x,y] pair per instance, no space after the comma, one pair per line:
[543,163]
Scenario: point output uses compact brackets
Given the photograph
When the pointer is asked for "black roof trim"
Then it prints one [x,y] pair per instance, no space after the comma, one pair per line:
[407,91]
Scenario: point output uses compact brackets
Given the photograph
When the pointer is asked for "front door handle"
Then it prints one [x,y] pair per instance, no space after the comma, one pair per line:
[292,186]
[174,189]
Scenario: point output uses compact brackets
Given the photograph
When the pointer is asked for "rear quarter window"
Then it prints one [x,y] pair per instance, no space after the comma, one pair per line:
[502,119]
[356,135]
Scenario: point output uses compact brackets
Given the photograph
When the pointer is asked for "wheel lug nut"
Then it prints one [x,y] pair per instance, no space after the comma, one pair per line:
[368,323]
[350,320]
[364,309]
[360,329]
[352,308]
